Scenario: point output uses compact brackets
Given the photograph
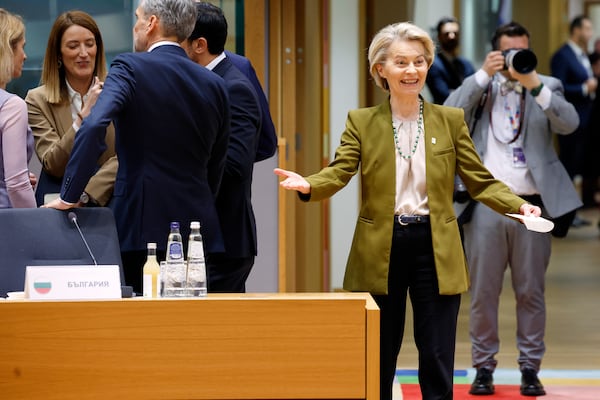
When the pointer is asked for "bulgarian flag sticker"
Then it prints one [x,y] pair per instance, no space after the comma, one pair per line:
[42,285]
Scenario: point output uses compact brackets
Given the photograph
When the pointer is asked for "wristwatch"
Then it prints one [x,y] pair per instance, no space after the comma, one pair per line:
[84,198]
[536,90]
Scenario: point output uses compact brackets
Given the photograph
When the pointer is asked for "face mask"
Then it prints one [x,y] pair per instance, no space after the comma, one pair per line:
[449,44]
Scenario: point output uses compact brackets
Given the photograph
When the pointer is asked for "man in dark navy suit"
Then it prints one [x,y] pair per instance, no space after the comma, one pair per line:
[449,69]
[570,64]
[267,140]
[172,129]
[227,272]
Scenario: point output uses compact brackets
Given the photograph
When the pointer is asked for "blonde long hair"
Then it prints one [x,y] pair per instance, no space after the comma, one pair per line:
[12,30]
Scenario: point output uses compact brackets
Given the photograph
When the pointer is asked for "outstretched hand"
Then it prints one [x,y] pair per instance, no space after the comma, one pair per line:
[293,181]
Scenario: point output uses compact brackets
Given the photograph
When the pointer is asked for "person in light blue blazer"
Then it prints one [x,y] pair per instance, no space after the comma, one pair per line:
[172,129]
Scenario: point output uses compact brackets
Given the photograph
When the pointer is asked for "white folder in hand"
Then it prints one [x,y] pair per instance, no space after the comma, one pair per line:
[535,224]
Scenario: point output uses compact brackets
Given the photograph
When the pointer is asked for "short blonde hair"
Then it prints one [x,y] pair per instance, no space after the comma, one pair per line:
[12,30]
[53,73]
[378,50]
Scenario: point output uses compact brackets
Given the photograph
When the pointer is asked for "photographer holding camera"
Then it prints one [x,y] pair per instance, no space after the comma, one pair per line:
[512,112]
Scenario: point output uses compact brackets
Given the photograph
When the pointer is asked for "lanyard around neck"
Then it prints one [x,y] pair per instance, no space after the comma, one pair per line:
[521,119]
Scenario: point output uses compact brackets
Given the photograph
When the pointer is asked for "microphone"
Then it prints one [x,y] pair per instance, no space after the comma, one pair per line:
[73,218]
[126,291]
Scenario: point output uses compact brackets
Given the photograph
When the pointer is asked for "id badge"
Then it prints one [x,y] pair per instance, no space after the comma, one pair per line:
[519,158]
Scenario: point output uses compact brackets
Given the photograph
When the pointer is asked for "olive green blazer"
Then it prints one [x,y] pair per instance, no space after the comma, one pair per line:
[368,143]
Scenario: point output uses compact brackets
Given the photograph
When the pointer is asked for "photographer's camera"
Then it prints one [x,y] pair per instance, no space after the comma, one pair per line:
[521,60]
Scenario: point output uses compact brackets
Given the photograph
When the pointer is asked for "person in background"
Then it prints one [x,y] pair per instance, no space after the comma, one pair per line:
[406,238]
[16,188]
[449,68]
[267,140]
[72,77]
[515,139]
[570,64]
[228,271]
[592,162]
[172,127]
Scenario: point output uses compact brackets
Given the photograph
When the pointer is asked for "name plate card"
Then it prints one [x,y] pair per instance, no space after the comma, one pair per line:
[72,282]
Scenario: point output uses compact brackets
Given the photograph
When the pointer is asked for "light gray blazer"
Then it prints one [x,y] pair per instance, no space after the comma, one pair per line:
[550,177]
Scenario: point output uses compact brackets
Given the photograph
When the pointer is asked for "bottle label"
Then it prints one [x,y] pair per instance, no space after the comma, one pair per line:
[175,251]
[196,251]
[147,285]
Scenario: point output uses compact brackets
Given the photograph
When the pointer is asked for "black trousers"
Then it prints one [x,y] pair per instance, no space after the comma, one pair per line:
[412,271]
[227,274]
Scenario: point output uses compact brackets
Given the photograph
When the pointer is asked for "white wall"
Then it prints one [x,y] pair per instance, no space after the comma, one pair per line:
[429,12]
[344,96]
[265,274]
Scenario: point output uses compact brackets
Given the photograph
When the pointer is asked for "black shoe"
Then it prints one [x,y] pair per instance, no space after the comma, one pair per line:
[483,383]
[530,384]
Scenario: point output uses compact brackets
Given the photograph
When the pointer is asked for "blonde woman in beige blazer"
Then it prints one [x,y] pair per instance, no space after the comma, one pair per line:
[74,67]
[406,240]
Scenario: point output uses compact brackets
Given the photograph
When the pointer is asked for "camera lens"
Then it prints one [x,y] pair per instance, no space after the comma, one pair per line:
[522,60]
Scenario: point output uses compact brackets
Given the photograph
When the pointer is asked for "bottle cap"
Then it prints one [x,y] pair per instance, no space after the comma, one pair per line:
[195,225]
[174,225]
[152,245]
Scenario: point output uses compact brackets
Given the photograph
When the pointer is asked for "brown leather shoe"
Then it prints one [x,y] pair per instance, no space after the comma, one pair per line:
[483,383]
[530,384]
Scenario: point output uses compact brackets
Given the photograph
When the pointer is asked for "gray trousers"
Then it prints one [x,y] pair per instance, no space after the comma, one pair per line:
[494,242]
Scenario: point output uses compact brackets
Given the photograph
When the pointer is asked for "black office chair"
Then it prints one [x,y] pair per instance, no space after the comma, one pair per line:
[44,236]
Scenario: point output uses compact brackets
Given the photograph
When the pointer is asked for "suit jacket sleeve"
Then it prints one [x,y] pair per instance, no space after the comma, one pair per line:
[90,142]
[344,166]
[52,147]
[565,67]
[218,155]
[561,114]
[267,141]
[245,123]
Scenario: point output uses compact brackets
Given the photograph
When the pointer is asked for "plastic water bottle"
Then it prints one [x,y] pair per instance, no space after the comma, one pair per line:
[151,273]
[175,271]
[196,265]
[174,244]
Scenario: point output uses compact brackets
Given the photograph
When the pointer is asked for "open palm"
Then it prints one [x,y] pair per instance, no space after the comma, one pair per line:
[292,181]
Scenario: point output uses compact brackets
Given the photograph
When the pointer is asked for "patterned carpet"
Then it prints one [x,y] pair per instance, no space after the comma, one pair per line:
[559,385]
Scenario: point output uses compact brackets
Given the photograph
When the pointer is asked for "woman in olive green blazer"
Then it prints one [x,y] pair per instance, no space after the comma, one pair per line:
[422,253]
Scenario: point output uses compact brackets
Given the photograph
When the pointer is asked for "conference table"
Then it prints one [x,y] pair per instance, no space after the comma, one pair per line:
[223,346]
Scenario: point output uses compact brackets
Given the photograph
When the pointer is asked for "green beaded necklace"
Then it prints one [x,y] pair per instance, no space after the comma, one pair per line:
[419,132]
